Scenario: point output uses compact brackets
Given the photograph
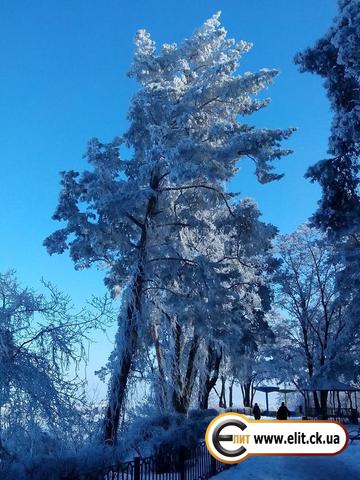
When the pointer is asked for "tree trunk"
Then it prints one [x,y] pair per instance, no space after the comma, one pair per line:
[175,367]
[183,388]
[127,343]
[208,381]
[252,395]
[127,347]
[231,393]
[338,399]
[323,403]
[317,403]
[246,393]
[222,398]
[161,367]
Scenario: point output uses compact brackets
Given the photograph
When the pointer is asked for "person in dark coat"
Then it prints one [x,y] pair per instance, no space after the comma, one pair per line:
[283,413]
[256,412]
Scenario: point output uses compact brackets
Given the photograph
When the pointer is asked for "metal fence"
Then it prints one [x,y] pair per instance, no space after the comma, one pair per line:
[341,414]
[184,464]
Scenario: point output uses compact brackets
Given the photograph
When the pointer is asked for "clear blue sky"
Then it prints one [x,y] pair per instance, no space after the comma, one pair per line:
[63,80]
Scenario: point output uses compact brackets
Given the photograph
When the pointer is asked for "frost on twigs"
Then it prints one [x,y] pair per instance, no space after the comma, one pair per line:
[43,344]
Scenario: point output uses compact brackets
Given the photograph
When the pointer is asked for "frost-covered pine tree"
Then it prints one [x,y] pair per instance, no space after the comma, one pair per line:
[336,58]
[187,133]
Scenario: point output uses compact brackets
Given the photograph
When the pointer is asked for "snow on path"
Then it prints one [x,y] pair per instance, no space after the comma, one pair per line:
[343,466]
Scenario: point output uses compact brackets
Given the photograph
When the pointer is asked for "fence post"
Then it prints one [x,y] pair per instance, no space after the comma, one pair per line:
[182,465]
[213,469]
[137,467]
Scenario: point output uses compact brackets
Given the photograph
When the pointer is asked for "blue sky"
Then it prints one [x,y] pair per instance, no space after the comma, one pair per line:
[63,80]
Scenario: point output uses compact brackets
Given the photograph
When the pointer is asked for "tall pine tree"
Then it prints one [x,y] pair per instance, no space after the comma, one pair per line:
[186,136]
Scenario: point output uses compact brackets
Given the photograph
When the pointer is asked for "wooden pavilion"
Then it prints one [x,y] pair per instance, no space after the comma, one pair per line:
[341,401]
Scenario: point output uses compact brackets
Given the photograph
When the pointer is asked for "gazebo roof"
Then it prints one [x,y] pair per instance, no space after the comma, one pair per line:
[330,385]
[267,389]
[287,390]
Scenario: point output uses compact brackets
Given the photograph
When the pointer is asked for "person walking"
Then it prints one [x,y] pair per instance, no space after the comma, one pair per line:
[283,413]
[256,412]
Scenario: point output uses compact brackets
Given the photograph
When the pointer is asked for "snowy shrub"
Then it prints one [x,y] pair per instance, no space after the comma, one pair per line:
[157,432]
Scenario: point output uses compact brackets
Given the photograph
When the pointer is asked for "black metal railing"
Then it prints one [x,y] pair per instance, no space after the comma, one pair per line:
[341,413]
[184,464]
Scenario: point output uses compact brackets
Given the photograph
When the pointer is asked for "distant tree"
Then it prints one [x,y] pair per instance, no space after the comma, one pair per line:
[313,347]
[42,344]
[244,354]
[250,369]
[186,137]
[244,269]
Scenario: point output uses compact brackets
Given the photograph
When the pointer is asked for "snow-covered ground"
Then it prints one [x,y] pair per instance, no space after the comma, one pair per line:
[339,467]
